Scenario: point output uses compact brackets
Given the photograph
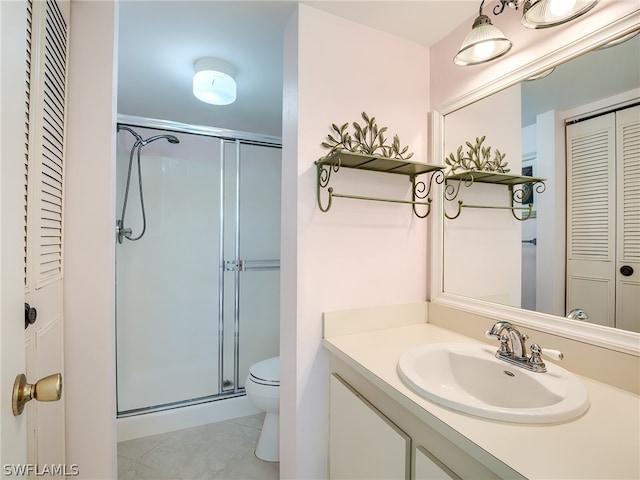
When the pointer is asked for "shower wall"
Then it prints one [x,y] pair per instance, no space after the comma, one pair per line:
[198,295]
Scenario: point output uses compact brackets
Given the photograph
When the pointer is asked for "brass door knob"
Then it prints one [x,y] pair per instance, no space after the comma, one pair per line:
[47,389]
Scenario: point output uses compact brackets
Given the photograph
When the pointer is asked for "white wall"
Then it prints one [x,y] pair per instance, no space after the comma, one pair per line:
[480,241]
[89,282]
[358,254]
[551,220]
[13,430]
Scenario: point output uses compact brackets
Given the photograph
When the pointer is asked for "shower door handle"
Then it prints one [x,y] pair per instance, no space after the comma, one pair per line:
[251,265]
[259,265]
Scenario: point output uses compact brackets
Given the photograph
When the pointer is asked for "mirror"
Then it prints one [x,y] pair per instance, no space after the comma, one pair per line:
[488,255]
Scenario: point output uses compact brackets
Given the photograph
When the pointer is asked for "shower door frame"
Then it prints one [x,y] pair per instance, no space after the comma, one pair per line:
[235,265]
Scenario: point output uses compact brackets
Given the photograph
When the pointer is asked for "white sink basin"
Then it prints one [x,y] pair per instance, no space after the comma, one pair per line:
[467,377]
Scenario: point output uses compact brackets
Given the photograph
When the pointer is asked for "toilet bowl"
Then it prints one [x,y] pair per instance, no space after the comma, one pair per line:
[263,391]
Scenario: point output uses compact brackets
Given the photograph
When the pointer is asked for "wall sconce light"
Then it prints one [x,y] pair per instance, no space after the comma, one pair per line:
[214,81]
[486,42]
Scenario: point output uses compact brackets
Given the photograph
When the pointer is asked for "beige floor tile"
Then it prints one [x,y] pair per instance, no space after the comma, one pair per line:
[223,450]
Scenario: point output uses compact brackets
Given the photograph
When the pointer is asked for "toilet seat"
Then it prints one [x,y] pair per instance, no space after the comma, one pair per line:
[266,372]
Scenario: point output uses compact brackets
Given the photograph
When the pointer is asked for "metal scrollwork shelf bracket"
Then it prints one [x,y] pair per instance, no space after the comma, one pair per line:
[516,195]
[420,189]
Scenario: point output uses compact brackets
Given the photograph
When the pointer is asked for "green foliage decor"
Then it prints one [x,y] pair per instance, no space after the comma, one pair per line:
[477,157]
[367,139]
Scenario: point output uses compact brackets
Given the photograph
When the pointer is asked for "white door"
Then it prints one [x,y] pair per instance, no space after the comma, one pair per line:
[628,216]
[603,218]
[31,189]
[591,218]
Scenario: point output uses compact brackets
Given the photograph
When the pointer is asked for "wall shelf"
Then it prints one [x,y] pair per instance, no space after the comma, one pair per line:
[359,161]
[516,195]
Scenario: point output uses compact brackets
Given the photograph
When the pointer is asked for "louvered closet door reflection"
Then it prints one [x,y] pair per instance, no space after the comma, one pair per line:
[603,218]
[628,206]
[591,218]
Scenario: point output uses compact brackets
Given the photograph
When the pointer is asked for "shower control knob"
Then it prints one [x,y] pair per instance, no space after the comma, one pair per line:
[30,315]
[626,270]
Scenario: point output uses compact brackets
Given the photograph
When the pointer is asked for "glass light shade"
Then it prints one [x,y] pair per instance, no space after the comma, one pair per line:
[214,82]
[549,13]
[484,43]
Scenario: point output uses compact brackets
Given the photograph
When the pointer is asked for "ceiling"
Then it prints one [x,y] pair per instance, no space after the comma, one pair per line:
[160,40]
[598,74]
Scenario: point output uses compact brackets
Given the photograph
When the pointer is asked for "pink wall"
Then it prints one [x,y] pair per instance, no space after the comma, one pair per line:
[359,254]
[89,283]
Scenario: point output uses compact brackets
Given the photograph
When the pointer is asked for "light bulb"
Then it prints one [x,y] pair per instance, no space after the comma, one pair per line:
[560,8]
[484,50]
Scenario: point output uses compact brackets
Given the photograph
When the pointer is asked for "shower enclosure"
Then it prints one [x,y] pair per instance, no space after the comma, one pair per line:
[197,293]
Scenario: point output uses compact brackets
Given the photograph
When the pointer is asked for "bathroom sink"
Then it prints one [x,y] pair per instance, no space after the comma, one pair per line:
[467,377]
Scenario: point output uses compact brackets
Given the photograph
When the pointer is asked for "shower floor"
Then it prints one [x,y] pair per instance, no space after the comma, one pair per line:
[223,450]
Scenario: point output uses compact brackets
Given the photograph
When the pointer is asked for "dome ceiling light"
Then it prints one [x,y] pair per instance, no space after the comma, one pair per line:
[214,81]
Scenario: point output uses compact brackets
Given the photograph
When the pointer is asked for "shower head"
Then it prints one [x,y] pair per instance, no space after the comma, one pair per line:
[138,137]
[169,138]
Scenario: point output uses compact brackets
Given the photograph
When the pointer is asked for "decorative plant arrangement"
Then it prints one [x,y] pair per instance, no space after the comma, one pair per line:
[476,164]
[367,139]
[365,148]
[477,157]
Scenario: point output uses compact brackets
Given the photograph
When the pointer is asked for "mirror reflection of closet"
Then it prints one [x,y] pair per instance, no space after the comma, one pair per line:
[603,218]
[548,244]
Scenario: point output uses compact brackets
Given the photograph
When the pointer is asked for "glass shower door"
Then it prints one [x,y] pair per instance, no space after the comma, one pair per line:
[252,252]
[168,281]
[198,293]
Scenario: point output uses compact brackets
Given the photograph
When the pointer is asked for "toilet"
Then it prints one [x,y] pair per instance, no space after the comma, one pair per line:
[263,391]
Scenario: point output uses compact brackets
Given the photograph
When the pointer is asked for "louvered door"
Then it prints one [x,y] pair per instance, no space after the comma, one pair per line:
[603,218]
[44,178]
[628,217]
[591,218]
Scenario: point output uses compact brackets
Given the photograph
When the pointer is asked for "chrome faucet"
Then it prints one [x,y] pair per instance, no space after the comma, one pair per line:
[513,349]
[578,314]
[513,337]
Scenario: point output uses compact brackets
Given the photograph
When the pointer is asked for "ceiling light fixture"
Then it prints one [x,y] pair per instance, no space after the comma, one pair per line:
[214,81]
[549,13]
[486,42]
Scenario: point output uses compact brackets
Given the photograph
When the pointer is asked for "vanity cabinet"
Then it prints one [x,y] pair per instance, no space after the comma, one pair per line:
[372,436]
[363,443]
[428,467]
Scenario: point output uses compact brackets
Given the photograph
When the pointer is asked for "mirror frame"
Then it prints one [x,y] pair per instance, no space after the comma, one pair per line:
[607,337]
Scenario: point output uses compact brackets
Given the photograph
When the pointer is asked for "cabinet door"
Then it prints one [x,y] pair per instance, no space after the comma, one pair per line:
[428,467]
[363,443]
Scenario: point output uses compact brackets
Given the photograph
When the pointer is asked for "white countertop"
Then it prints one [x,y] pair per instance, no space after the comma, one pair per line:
[602,444]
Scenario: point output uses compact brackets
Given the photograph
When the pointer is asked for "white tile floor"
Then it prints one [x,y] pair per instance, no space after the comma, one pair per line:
[223,450]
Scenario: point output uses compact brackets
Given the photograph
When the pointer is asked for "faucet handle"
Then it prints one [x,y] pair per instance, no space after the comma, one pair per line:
[536,351]
[554,354]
